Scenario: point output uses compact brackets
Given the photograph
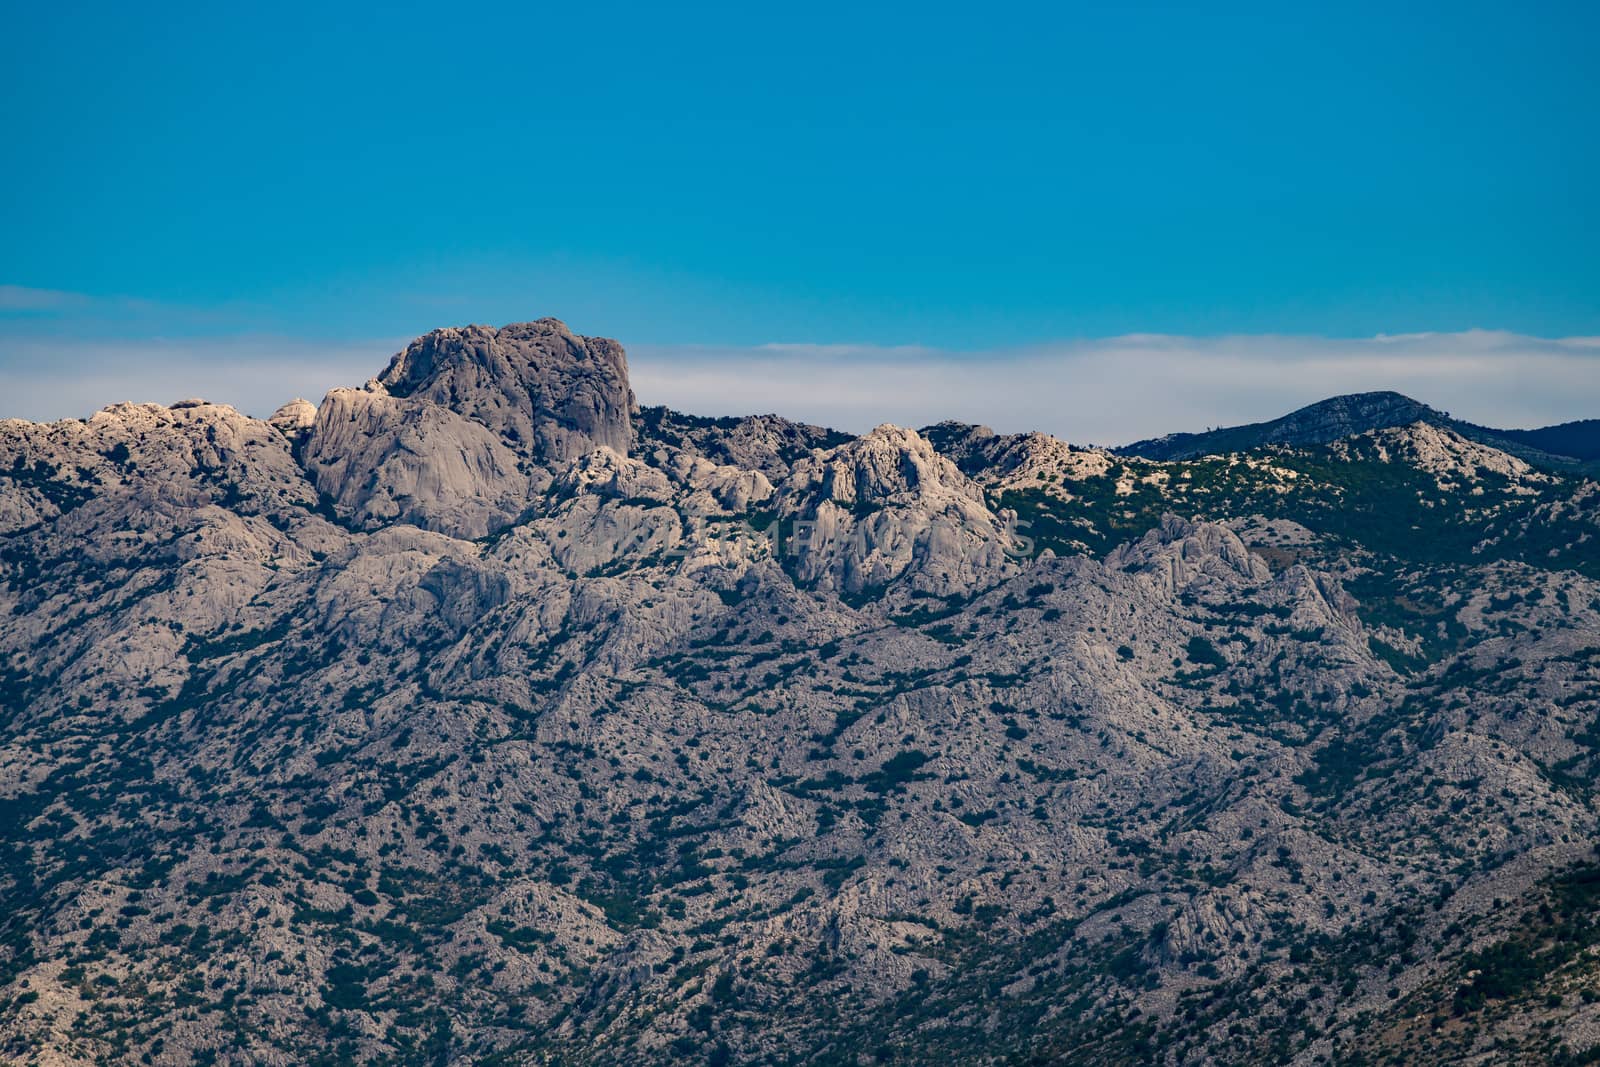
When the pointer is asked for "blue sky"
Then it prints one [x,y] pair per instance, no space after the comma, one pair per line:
[970,178]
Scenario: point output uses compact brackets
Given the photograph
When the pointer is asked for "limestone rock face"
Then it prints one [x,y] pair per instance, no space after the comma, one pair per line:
[887,506]
[385,459]
[607,473]
[294,418]
[171,459]
[467,426]
[888,465]
[725,487]
[549,393]
[1178,554]
[1439,451]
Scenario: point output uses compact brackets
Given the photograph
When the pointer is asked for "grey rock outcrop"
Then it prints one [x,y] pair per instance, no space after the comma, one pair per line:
[385,459]
[885,508]
[294,418]
[550,394]
[466,426]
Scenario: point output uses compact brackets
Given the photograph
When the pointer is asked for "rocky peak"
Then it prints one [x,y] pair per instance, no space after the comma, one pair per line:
[547,391]
[886,507]
[1341,416]
[1179,552]
[888,465]
[294,418]
[606,473]
[468,424]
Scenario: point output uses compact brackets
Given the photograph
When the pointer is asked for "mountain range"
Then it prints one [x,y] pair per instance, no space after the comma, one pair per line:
[482,715]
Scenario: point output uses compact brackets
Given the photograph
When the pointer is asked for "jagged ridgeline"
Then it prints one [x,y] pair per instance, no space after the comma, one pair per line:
[479,715]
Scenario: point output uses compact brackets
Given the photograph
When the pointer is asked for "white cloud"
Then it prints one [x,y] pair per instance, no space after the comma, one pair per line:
[1111,390]
[1119,389]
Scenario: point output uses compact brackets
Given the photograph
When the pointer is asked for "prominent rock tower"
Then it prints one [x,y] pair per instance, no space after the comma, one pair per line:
[467,424]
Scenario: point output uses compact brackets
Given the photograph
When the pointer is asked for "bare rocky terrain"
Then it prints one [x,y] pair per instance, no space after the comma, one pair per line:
[480,715]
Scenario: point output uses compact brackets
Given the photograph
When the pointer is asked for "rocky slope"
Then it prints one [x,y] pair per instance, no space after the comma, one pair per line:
[478,716]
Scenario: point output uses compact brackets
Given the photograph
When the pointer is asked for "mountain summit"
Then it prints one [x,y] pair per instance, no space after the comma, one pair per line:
[466,426]
[1355,413]
[1316,424]
[535,384]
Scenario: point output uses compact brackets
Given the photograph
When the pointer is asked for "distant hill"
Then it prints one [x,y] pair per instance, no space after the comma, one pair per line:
[1580,440]
[1329,420]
